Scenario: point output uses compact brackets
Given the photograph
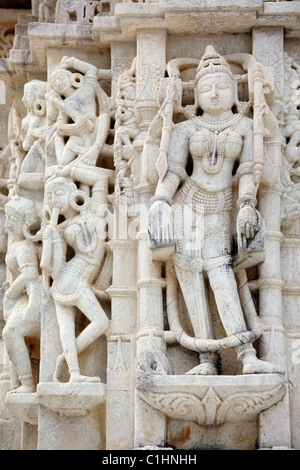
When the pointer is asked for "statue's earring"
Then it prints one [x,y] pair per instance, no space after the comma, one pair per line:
[79,200]
[39,107]
[76,80]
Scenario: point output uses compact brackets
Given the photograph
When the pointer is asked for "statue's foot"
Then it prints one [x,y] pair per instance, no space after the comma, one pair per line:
[254,365]
[24,389]
[83,378]
[206,368]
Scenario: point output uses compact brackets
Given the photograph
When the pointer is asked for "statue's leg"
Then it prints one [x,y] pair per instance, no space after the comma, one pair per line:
[72,346]
[223,284]
[217,244]
[14,334]
[224,287]
[91,308]
[193,289]
[66,323]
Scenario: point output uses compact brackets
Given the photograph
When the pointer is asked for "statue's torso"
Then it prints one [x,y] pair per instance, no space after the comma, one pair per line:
[214,152]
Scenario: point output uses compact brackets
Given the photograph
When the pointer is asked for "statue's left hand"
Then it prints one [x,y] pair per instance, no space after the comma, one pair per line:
[248,221]
[160,223]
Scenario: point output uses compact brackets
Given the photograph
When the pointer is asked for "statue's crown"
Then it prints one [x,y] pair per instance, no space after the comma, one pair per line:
[212,62]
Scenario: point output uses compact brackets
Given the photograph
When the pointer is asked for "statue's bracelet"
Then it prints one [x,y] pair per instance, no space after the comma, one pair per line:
[162,199]
[247,201]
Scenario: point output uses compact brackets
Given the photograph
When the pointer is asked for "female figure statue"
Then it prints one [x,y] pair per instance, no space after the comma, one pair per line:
[22,299]
[202,227]
[83,231]
[82,108]
[31,173]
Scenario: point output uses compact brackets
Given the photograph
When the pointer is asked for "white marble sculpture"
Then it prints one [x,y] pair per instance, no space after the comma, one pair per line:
[149,225]
[83,231]
[23,288]
[82,112]
[126,130]
[22,298]
[197,217]
[79,98]
[30,177]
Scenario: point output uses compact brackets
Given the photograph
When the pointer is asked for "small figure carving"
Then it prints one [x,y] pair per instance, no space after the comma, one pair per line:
[127,116]
[83,230]
[16,151]
[290,170]
[83,120]
[126,130]
[31,173]
[22,299]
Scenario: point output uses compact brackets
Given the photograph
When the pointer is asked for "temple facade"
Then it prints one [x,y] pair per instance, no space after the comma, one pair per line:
[150,225]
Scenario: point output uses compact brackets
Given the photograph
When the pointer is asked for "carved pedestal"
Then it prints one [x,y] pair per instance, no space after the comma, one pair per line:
[65,409]
[211,402]
[23,407]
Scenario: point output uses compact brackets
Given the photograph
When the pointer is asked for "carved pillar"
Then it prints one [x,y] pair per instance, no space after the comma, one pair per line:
[290,256]
[290,249]
[151,59]
[122,55]
[121,341]
[66,407]
[268,49]
[121,348]
[13,432]
[151,51]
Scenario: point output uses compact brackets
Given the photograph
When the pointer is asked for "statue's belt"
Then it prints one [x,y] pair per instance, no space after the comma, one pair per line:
[197,264]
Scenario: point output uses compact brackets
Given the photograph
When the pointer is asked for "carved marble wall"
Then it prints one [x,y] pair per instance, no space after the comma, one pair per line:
[149,226]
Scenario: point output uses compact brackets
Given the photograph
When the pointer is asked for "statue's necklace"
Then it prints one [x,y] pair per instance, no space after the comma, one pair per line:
[216,135]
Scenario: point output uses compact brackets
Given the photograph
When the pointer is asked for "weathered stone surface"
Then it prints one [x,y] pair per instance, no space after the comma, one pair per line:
[149,225]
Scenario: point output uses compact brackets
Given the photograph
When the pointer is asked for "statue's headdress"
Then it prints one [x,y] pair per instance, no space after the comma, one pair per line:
[79,200]
[23,207]
[212,62]
[26,209]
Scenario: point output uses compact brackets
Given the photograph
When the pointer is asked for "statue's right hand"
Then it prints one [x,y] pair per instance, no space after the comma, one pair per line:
[160,223]
[50,232]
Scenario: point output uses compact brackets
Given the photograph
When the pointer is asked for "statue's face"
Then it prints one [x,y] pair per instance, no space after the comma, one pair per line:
[13,221]
[215,93]
[60,82]
[28,97]
[58,196]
